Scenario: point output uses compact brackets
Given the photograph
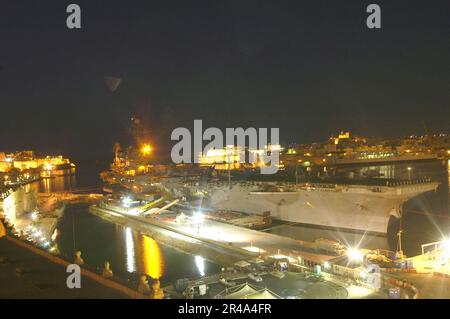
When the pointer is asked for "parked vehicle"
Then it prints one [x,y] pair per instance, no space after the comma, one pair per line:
[255,277]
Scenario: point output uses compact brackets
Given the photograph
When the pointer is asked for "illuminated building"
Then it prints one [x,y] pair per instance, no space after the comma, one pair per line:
[232,157]
[226,158]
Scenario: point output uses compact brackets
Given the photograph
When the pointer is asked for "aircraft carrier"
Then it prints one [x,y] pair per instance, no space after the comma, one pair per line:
[353,207]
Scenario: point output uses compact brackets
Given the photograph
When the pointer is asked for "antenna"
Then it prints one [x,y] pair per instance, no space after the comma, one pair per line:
[399,235]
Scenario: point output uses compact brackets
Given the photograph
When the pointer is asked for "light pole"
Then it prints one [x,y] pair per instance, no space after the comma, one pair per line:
[399,234]
[198,220]
[409,172]
[296,172]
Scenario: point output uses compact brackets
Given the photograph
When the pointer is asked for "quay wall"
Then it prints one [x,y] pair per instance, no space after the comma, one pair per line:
[101,280]
[225,256]
[18,203]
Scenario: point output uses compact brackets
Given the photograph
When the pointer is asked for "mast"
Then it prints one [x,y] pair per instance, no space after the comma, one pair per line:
[399,235]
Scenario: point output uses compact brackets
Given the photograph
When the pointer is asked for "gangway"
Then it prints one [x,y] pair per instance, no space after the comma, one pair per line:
[155,211]
[146,207]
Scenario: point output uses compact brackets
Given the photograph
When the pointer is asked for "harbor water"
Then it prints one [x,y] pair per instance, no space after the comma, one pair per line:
[128,251]
[426,219]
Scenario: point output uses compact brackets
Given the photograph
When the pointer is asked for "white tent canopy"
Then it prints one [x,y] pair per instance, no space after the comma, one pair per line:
[247,291]
[264,294]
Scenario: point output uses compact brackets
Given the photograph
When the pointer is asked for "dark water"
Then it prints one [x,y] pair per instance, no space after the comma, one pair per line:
[426,217]
[129,251]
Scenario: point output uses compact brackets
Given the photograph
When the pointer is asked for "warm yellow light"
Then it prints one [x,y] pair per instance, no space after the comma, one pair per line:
[344,135]
[146,149]
[354,254]
[152,257]
[254,249]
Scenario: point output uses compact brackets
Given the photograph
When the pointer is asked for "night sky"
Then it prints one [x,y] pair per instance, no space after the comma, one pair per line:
[311,68]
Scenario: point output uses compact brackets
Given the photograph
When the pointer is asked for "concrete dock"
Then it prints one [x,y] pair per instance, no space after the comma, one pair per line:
[233,241]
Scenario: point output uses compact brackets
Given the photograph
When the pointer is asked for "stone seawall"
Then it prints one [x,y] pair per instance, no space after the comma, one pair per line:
[18,203]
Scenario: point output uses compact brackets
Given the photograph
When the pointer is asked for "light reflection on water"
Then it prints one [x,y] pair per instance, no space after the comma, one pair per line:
[129,244]
[127,250]
[143,254]
[57,183]
[200,263]
[153,263]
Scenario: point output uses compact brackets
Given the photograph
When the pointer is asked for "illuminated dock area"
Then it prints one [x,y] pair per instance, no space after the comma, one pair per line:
[240,249]
[234,239]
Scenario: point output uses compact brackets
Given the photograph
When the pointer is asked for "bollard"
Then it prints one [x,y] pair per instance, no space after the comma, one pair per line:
[143,287]
[157,292]
[107,272]
[78,260]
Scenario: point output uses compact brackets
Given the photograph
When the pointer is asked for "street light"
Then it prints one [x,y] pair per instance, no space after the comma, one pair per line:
[198,219]
[126,201]
[354,254]
[446,247]
[146,149]
[409,172]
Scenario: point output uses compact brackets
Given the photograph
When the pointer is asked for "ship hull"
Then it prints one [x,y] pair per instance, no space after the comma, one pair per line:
[351,207]
[357,209]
